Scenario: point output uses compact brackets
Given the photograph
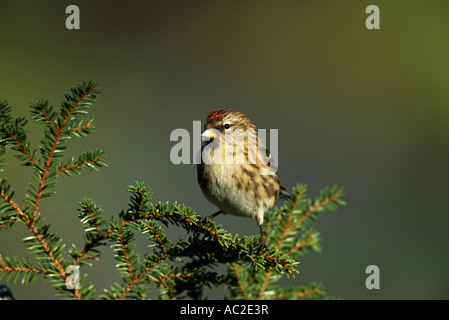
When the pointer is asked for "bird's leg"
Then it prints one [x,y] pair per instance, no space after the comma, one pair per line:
[262,244]
[211,217]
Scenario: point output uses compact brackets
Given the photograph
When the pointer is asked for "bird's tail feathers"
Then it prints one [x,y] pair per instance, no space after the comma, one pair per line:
[283,193]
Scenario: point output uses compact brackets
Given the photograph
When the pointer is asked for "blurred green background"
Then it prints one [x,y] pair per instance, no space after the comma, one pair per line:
[367,109]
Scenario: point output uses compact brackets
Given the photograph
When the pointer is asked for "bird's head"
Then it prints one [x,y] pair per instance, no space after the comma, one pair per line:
[224,120]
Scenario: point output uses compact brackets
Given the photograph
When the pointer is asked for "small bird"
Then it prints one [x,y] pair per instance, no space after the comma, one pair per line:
[237,187]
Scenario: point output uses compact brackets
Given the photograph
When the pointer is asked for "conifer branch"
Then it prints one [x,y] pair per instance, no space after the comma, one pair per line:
[286,224]
[38,235]
[44,175]
[7,222]
[93,218]
[91,160]
[240,282]
[85,92]
[48,251]
[58,134]
[7,267]
[12,269]
[14,206]
[290,219]
[21,148]
[285,230]
[318,206]
[304,293]
[126,255]
[175,268]
[82,127]
[41,242]
[46,116]
[78,165]
[303,243]
[301,294]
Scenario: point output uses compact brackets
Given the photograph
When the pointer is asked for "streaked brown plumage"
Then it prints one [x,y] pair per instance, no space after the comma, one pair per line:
[236,188]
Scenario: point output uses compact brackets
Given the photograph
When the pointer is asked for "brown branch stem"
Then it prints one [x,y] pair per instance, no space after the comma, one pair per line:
[5,268]
[77,165]
[239,282]
[83,127]
[49,159]
[41,109]
[21,148]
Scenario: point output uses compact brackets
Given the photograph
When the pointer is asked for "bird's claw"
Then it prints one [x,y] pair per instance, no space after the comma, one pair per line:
[206,219]
[261,246]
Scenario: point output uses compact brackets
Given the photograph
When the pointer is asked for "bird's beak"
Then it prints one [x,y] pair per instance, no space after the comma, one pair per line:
[209,133]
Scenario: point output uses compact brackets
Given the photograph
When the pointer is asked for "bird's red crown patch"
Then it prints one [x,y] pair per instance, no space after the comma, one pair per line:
[216,115]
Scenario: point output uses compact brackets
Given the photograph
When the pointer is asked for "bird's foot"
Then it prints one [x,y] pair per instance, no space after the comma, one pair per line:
[206,219]
[261,246]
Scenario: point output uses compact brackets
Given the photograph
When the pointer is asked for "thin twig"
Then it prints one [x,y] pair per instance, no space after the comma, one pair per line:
[239,282]
[5,268]
[41,109]
[22,149]
[77,165]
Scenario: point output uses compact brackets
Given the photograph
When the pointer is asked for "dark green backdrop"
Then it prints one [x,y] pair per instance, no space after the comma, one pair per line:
[365,109]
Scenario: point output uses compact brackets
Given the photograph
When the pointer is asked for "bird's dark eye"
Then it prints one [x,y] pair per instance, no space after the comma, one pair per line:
[227,126]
